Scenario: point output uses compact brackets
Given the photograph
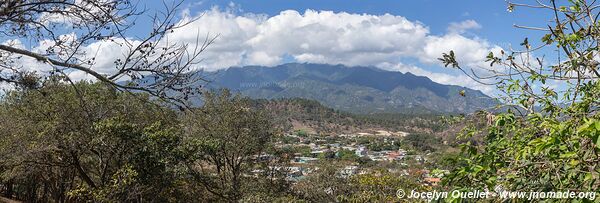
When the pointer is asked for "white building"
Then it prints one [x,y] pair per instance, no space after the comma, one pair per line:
[361,151]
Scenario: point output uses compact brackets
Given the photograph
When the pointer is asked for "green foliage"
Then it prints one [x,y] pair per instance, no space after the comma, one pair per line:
[422,142]
[446,160]
[301,133]
[347,155]
[328,185]
[305,151]
[324,185]
[327,120]
[87,141]
[521,152]
[225,136]
[546,141]
[373,187]
[449,59]
[121,184]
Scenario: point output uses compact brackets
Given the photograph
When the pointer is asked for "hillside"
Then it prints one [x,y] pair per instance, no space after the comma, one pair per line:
[311,116]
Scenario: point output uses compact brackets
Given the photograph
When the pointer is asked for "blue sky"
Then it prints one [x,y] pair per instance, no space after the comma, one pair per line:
[491,14]
[405,36]
[497,23]
[494,25]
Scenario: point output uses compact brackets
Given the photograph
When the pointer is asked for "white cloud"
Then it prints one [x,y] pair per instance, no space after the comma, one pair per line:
[314,36]
[80,75]
[334,38]
[23,64]
[74,14]
[317,37]
[462,27]
[233,32]
[103,54]
[352,39]
[442,78]
[470,52]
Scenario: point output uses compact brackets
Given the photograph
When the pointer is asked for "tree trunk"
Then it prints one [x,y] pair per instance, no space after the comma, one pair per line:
[9,189]
[80,170]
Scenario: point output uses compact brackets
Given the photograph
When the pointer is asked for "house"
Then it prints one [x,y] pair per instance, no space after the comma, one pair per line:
[361,151]
[348,171]
[295,174]
[305,160]
[316,153]
[394,156]
[402,152]
[432,181]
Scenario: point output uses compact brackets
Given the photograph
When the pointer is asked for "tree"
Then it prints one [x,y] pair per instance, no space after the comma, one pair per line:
[380,186]
[86,143]
[323,185]
[347,155]
[545,140]
[422,142]
[227,136]
[150,64]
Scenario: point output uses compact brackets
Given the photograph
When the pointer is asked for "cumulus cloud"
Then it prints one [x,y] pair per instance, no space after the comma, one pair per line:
[470,52]
[461,27]
[312,36]
[102,53]
[334,38]
[438,77]
[24,64]
[317,37]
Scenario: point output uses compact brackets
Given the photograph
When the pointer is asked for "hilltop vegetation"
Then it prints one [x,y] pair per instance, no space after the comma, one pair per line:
[297,113]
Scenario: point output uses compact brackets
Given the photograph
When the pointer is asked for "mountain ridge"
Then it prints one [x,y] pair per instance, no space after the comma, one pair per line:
[356,89]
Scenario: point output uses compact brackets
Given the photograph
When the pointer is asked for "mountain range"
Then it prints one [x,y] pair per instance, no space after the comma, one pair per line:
[363,90]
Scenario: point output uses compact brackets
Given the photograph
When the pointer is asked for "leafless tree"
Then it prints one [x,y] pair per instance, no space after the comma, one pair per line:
[150,64]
